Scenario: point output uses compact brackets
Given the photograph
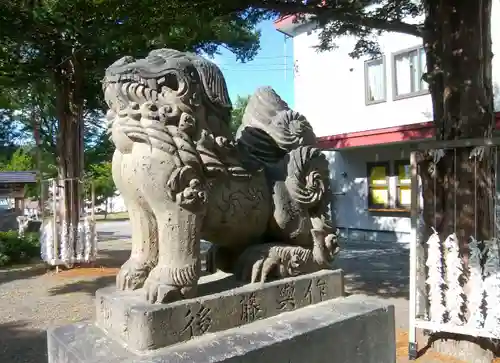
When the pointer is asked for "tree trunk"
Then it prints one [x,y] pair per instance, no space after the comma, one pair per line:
[459,197]
[35,124]
[68,78]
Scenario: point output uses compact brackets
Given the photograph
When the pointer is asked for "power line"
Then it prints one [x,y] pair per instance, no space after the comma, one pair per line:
[254,62]
[250,65]
[257,70]
[273,57]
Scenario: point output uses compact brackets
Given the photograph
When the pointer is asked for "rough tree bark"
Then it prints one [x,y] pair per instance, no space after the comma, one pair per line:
[457,39]
[68,78]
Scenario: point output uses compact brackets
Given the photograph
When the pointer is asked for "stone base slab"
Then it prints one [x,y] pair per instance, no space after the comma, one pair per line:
[463,347]
[356,329]
[141,326]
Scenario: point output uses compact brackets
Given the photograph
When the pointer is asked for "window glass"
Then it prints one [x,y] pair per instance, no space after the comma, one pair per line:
[423,69]
[378,190]
[378,175]
[404,196]
[403,74]
[404,174]
[375,79]
[379,196]
[408,70]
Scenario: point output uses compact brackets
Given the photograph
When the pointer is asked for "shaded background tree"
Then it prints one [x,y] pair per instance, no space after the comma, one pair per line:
[239,107]
[55,62]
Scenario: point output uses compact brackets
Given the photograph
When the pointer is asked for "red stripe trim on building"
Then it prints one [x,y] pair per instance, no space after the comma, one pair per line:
[284,20]
[287,20]
[424,130]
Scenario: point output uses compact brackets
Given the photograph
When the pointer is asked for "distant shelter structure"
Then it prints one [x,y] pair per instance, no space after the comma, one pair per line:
[12,196]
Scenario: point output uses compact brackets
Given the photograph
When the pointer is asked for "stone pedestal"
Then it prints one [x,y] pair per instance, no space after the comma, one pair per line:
[302,319]
[464,347]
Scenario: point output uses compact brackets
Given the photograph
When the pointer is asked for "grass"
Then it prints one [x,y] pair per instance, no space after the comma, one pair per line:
[120,216]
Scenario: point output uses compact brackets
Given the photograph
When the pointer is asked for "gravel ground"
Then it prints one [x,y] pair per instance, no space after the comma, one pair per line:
[32,299]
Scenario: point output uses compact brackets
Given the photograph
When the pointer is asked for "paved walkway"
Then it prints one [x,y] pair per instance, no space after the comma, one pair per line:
[32,299]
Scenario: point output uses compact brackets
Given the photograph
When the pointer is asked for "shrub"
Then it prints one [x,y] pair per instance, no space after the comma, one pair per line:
[18,249]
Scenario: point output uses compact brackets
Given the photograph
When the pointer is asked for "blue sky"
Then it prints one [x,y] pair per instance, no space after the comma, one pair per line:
[267,69]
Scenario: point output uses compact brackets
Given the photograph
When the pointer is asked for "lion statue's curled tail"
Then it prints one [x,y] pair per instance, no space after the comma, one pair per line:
[282,142]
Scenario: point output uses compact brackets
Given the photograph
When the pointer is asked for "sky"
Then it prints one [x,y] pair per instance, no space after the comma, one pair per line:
[273,66]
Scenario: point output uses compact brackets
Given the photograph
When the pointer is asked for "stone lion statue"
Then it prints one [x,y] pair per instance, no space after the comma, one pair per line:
[261,198]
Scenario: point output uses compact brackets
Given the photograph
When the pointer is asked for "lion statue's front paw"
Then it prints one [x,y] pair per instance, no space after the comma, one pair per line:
[262,268]
[159,291]
[132,275]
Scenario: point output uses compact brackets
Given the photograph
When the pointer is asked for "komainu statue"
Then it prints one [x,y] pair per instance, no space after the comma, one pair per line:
[260,197]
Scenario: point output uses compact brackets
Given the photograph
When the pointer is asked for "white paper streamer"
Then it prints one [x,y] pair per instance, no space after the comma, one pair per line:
[47,242]
[86,242]
[475,296]
[22,224]
[454,295]
[435,279]
[80,240]
[492,288]
[65,248]
[90,239]
[76,242]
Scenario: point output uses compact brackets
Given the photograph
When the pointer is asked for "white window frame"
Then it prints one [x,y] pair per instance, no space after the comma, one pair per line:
[415,93]
[366,79]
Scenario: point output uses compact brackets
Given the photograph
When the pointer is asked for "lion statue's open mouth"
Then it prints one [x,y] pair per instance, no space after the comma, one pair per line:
[165,88]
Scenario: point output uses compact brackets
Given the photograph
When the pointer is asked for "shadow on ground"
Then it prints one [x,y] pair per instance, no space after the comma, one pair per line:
[375,268]
[112,258]
[88,279]
[111,236]
[85,286]
[21,344]
[13,273]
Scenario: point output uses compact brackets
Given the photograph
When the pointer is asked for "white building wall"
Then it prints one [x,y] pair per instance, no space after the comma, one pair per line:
[330,92]
[329,86]
[348,171]
[114,204]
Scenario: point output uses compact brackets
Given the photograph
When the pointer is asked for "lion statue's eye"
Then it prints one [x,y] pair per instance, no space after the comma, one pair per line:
[170,81]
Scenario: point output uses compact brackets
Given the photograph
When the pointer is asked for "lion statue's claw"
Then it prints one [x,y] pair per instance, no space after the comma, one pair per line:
[262,268]
[132,275]
[160,293]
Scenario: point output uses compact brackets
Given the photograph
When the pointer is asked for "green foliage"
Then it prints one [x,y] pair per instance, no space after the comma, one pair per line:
[237,114]
[52,63]
[98,148]
[98,155]
[21,160]
[18,249]
[11,130]
[363,19]
[36,42]
[101,176]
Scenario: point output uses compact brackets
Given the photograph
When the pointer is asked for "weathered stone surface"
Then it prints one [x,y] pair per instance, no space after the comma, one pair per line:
[142,326]
[262,197]
[354,329]
[466,348]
